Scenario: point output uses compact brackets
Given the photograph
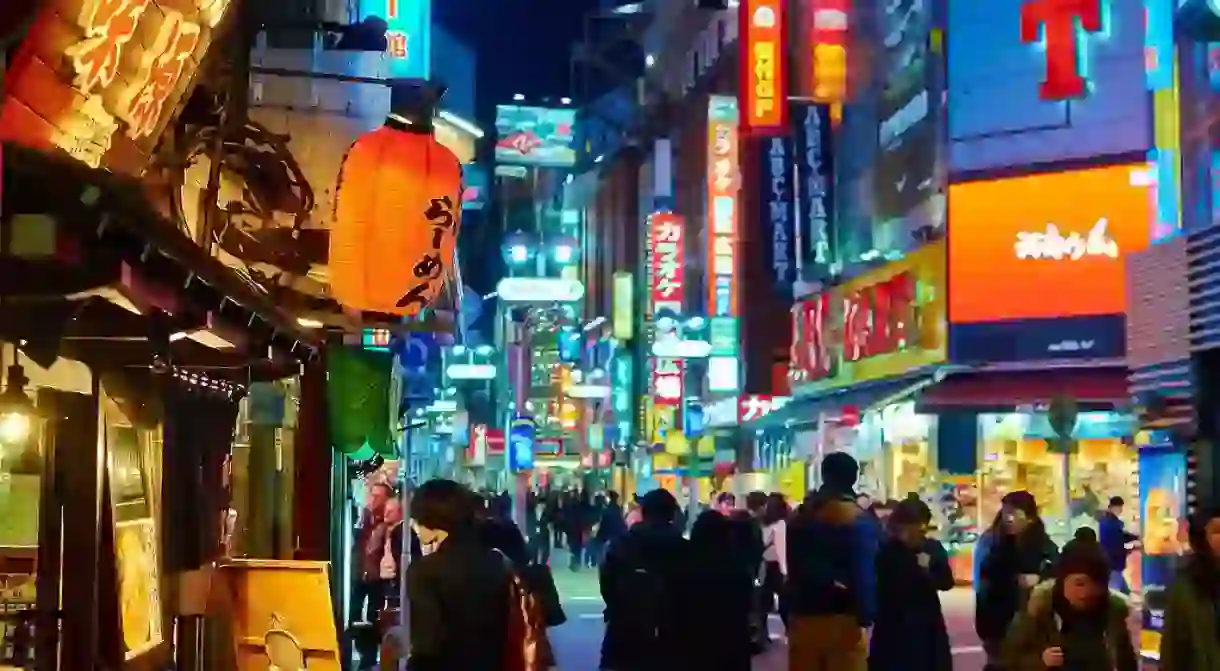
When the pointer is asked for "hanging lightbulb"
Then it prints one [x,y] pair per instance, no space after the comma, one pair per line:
[14,427]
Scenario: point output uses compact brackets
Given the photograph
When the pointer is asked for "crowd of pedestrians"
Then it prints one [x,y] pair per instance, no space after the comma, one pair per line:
[856,584]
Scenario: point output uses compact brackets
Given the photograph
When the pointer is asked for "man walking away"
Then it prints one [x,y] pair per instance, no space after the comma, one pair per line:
[610,528]
[646,586]
[832,549]
[1116,543]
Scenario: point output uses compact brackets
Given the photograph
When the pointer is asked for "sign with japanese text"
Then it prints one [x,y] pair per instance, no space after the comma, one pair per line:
[99,79]
[723,183]
[536,136]
[881,324]
[764,75]
[408,35]
[667,269]
[667,381]
[752,407]
[668,260]
[776,204]
[1060,29]
[815,196]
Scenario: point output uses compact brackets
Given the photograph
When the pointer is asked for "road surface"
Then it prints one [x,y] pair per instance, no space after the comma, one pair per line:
[577,643]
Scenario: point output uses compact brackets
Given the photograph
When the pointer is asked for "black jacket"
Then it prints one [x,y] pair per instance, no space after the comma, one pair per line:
[664,555]
[459,606]
[722,599]
[999,594]
[505,536]
[909,633]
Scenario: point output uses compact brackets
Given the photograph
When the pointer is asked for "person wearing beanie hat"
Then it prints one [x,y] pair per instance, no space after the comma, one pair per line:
[1074,622]
[1190,635]
[1016,554]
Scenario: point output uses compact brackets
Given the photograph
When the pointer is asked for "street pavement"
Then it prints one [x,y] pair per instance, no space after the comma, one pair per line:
[578,642]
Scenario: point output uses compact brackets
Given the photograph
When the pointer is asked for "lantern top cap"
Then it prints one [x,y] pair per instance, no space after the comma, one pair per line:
[413,104]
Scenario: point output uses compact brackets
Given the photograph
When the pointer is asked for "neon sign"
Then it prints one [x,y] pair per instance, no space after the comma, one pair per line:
[408,34]
[1051,244]
[667,266]
[1053,23]
[764,78]
[829,45]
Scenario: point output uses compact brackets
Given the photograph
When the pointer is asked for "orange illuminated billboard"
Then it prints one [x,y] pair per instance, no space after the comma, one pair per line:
[1045,246]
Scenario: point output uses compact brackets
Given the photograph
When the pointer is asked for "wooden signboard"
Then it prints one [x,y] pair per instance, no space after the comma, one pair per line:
[100,79]
[282,616]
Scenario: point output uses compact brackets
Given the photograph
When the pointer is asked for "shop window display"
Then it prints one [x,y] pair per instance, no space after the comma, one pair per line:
[1017,455]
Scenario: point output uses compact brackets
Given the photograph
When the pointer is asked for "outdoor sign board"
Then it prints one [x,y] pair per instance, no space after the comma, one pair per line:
[823,36]
[883,323]
[1074,83]
[815,188]
[723,185]
[539,136]
[667,268]
[408,35]
[1061,239]
[777,202]
[764,66]
[100,79]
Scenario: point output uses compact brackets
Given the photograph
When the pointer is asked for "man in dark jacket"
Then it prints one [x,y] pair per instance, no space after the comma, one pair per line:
[1114,539]
[647,591]
[832,549]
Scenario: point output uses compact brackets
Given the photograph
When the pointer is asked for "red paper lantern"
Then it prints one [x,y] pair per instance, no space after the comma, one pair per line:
[397,212]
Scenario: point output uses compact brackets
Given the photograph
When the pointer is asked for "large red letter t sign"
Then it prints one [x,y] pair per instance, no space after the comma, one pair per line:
[1058,18]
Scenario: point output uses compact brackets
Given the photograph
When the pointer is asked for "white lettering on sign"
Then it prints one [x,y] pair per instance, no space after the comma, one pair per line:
[86,132]
[159,75]
[1052,244]
[779,209]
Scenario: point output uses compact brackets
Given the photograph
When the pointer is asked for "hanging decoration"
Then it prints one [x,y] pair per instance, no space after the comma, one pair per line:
[397,212]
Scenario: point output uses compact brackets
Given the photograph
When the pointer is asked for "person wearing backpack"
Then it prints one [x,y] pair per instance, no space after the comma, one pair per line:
[646,586]
[832,550]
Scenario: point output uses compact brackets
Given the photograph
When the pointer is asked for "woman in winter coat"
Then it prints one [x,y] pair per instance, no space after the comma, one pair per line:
[1019,556]
[912,569]
[722,594]
[1074,623]
[1190,637]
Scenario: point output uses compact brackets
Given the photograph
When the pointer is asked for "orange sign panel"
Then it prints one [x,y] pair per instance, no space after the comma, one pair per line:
[764,75]
[99,79]
[1045,246]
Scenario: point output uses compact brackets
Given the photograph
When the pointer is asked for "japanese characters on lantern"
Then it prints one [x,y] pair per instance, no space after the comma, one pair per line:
[123,72]
[764,81]
[667,254]
[431,266]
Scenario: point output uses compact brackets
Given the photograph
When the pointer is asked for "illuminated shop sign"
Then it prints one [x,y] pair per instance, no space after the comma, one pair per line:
[764,77]
[815,186]
[776,203]
[828,42]
[1061,29]
[539,290]
[723,183]
[408,34]
[1051,243]
[667,266]
[101,84]
[882,324]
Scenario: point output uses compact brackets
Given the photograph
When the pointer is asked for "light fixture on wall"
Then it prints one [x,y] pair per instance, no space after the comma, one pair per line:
[17,412]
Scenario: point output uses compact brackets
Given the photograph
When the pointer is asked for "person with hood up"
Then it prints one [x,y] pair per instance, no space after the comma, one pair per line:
[1019,555]
[1074,622]
[646,586]
[832,549]
[912,571]
[1190,636]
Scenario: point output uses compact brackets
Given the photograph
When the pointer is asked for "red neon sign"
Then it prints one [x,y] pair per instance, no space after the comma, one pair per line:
[764,79]
[1054,23]
[828,39]
[880,319]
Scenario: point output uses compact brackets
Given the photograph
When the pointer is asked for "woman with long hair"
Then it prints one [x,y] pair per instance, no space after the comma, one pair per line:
[1074,622]
[1190,637]
[1019,555]
[775,554]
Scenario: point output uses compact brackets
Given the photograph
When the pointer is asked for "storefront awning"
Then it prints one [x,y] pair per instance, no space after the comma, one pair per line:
[1097,387]
[859,398]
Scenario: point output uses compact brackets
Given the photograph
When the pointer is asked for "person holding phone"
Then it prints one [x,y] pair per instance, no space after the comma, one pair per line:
[1075,622]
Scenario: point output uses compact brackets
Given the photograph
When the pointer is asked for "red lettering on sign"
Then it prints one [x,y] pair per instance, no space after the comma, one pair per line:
[178,41]
[110,25]
[880,319]
[1053,22]
[396,44]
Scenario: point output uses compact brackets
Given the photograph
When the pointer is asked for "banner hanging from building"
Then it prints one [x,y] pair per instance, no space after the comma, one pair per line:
[667,276]
[815,186]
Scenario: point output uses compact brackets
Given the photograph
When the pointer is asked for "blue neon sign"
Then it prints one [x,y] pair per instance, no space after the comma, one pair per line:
[408,35]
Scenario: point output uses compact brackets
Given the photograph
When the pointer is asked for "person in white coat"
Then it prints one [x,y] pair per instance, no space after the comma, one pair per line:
[775,554]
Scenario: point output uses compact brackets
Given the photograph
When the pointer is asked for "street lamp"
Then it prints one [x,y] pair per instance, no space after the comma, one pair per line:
[16,410]
[520,251]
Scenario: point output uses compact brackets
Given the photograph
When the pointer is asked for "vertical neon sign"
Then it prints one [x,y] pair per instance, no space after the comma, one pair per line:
[764,65]
[1062,26]
[408,35]
[828,43]
[1164,158]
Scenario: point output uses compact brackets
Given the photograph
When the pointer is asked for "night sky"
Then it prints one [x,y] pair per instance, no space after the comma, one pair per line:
[523,46]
